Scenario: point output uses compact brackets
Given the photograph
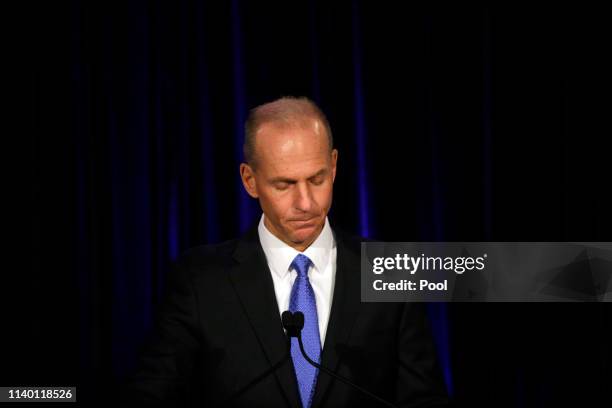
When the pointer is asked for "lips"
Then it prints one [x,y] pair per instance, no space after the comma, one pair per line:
[303,223]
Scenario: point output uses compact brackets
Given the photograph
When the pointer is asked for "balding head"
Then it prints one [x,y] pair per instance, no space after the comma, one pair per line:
[290,143]
[286,112]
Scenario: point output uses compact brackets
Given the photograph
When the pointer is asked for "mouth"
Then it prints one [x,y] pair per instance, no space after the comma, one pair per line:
[304,222]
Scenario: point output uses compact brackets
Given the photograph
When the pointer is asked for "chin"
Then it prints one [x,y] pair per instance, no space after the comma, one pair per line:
[304,234]
[298,238]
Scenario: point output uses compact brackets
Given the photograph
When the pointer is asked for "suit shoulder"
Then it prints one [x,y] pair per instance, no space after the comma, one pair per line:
[351,241]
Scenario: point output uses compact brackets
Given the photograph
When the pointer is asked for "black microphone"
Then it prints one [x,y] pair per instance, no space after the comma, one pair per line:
[294,323]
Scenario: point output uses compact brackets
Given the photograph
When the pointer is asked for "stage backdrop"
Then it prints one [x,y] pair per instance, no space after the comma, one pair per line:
[457,124]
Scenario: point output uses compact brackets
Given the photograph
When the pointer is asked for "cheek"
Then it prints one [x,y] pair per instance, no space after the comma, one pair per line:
[324,198]
[276,204]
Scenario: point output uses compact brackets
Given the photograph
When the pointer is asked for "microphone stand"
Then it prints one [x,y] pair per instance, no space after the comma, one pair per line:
[294,323]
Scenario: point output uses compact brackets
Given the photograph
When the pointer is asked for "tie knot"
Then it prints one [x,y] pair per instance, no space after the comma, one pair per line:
[301,263]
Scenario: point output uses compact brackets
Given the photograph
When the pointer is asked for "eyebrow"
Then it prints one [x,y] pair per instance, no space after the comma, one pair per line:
[288,180]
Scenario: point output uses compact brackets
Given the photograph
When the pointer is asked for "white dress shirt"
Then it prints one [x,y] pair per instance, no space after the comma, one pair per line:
[322,271]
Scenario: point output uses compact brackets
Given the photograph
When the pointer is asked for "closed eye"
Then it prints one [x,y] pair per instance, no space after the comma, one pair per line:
[317,181]
[281,185]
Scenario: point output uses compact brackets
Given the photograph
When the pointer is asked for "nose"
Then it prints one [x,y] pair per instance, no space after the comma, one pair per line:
[303,199]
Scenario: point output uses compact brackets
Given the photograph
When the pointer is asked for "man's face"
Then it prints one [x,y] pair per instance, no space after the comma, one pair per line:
[293,180]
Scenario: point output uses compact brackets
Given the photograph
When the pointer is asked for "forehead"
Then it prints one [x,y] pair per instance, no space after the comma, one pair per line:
[292,149]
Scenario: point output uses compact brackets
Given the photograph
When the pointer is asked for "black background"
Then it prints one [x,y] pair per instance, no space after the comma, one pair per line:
[480,124]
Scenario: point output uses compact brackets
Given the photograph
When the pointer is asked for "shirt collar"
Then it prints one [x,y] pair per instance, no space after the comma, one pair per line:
[280,255]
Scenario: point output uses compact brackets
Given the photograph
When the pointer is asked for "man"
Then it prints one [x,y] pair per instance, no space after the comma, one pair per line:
[219,338]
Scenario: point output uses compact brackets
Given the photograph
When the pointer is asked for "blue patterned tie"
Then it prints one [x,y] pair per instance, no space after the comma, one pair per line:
[303,300]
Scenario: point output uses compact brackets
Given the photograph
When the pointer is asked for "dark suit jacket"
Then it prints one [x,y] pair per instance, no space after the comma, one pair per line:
[219,333]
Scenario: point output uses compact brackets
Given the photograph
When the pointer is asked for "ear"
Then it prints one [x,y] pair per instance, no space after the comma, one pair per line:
[247,174]
[334,160]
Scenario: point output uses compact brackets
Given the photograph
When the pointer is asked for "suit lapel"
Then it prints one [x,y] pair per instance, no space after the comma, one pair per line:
[253,283]
[345,305]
